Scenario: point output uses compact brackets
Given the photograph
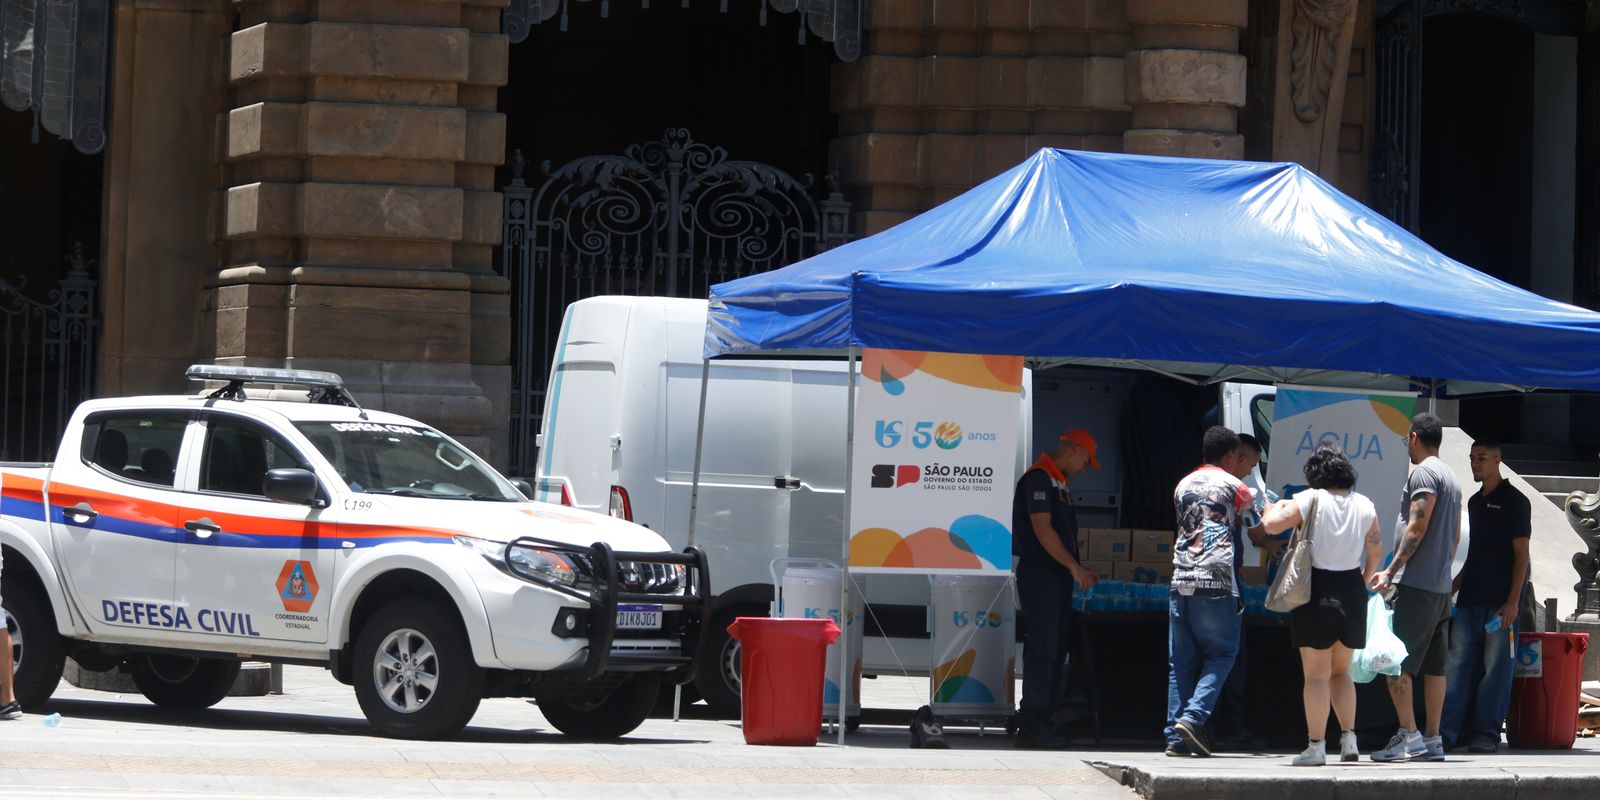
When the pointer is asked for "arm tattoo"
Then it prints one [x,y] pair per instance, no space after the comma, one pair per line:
[1372,536]
[1419,508]
[1409,545]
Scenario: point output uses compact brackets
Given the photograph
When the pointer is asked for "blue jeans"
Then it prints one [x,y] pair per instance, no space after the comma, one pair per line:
[1202,640]
[1478,678]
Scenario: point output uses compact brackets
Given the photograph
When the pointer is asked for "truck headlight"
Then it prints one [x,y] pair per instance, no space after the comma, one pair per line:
[533,563]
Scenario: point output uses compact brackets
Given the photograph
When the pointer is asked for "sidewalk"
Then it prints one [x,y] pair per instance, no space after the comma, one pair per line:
[313,742]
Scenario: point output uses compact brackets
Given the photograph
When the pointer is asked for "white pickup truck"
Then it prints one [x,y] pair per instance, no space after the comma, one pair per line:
[180,535]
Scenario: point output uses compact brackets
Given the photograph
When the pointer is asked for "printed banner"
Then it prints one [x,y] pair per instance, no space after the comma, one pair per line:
[1370,426]
[935,462]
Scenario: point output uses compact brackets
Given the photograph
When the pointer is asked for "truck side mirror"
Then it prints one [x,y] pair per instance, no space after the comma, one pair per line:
[295,486]
[524,487]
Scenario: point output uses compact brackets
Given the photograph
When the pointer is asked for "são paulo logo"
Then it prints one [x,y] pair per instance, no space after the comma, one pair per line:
[893,476]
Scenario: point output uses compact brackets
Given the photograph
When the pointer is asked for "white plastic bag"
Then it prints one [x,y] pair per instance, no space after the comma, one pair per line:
[1384,652]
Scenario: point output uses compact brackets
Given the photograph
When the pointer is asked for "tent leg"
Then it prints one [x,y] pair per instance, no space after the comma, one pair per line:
[694,502]
[846,675]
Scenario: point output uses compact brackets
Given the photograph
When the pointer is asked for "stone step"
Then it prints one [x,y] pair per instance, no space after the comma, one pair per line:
[1543,467]
[1559,498]
[1548,452]
[1563,484]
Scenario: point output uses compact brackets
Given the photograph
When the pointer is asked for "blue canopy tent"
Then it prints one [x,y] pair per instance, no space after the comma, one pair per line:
[1206,270]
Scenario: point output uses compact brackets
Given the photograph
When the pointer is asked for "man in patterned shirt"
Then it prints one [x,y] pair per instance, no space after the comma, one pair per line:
[1204,622]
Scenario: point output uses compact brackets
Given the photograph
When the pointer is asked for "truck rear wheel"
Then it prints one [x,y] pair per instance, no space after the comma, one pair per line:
[38,653]
[183,683]
[414,673]
[592,715]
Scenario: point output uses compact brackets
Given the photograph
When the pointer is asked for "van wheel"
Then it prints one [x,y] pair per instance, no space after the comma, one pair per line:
[183,683]
[587,715]
[38,653]
[717,672]
[415,677]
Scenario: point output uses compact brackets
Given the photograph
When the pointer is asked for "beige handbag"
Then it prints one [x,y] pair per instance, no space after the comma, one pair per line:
[1291,588]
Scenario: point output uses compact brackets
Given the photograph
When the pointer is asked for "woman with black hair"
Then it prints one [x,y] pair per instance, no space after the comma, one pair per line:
[1344,554]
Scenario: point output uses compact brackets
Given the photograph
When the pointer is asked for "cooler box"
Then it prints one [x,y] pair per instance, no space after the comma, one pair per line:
[780,663]
[1545,689]
[974,646]
[812,592]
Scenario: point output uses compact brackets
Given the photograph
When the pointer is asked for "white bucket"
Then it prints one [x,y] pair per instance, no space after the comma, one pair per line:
[974,664]
[813,593]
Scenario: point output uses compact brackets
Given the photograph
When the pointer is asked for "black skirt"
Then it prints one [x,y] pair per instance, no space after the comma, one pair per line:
[1336,612]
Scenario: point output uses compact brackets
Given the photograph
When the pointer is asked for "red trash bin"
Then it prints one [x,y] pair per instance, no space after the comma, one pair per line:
[1545,686]
[781,673]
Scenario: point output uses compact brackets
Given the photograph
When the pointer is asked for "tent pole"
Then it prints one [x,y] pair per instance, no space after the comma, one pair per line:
[846,675]
[694,500]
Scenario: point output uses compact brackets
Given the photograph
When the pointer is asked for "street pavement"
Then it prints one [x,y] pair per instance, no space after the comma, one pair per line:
[312,742]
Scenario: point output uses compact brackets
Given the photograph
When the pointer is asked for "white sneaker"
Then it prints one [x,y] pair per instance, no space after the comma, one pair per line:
[1435,748]
[1347,747]
[1315,755]
[1403,746]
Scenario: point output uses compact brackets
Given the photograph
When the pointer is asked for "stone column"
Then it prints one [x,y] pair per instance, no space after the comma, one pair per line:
[950,93]
[161,177]
[359,212]
[1186,78]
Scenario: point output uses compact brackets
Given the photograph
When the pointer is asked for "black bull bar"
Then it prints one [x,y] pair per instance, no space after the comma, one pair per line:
[606,593]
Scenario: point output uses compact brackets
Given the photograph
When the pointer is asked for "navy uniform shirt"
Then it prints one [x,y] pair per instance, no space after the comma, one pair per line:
[1496,519]
[1043,489]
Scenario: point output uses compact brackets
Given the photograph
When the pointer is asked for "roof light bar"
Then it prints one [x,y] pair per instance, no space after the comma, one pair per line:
[286,377]
[326,387]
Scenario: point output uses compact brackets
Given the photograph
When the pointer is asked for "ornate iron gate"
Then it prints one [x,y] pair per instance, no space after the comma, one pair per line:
[47,354]
[668,217]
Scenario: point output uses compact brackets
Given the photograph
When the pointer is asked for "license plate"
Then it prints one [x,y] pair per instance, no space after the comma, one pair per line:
[638,618]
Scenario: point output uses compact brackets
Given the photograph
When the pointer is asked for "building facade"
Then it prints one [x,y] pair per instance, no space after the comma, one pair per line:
[408,192]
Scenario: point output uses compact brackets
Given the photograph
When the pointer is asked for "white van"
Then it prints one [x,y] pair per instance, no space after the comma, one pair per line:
[618,436]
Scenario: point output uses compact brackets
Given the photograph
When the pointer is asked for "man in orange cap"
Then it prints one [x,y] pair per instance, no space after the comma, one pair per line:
[1044,537]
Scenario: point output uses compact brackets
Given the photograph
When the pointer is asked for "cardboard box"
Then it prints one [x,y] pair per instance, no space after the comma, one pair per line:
[1107,544]
[1253,576]
[1151,545]
[1144,571]
[1104,570]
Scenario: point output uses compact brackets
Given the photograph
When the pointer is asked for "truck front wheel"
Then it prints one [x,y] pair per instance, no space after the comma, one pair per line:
[38,653]
[414,674]
[585,714]
[183,683]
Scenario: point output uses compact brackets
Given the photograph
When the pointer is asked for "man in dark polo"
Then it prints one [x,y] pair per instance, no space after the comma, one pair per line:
[1044,537]
[1489,594]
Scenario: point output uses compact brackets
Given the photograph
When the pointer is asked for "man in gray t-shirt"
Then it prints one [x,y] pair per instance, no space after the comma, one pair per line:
[1429,567]
[1430,517]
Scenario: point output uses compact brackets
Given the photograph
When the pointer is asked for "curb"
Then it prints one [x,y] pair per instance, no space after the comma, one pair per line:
[1491,785]
[254,679]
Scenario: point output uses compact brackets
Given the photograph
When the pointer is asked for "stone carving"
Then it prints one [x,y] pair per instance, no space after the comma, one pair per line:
[1315,30]
[1583,514]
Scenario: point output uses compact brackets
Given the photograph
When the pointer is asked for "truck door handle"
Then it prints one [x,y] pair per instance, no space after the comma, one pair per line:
[203,527]
[785,482]
[81,513]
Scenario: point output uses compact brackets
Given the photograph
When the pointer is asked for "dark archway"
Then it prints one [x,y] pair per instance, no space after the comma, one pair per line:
[656,151]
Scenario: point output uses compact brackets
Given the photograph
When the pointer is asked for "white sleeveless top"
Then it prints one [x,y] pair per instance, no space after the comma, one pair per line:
[1339,541]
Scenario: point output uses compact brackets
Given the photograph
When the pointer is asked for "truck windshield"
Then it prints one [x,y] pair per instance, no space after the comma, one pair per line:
[408,460]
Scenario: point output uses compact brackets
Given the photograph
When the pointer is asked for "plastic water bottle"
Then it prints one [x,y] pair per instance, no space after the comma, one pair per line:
[53,721]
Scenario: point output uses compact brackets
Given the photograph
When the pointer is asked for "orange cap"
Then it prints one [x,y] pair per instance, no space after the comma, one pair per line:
[1081,438]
